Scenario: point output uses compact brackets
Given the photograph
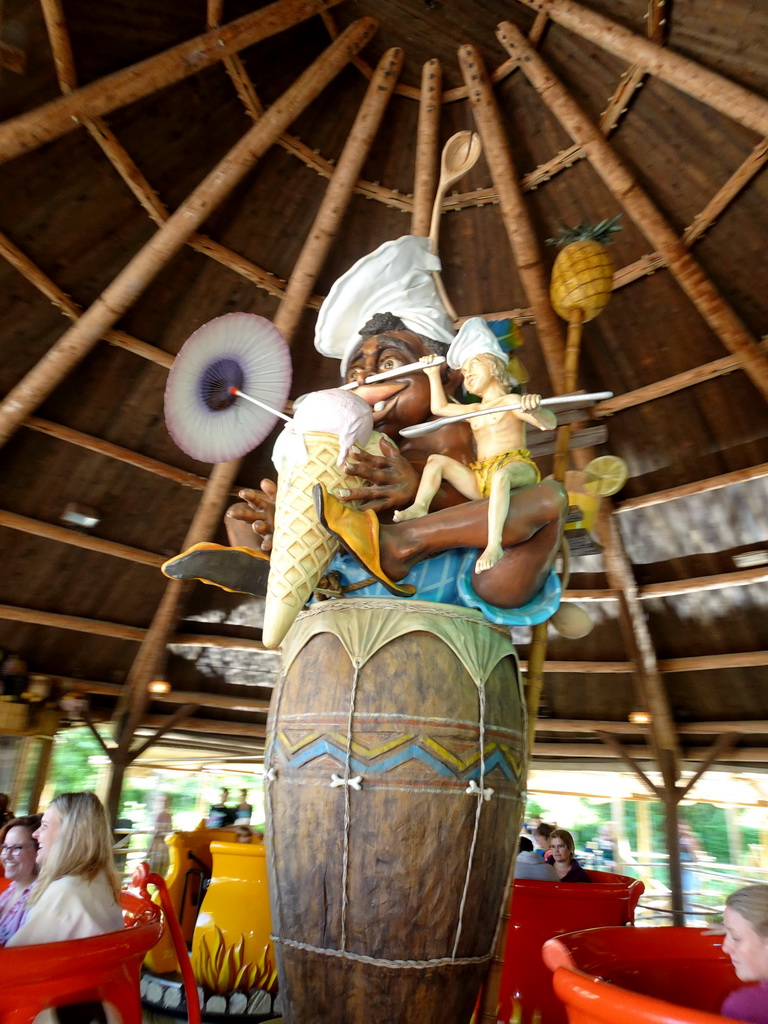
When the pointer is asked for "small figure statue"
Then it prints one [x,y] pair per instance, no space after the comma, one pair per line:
[503,463]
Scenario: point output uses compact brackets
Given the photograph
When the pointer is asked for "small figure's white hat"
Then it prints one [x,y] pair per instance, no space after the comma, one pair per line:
[474,338]
[395,278]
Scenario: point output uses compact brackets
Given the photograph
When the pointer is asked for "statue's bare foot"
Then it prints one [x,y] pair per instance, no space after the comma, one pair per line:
[412,512]
[489,557]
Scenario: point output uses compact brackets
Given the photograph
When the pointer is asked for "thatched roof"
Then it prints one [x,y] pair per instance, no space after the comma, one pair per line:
[127,221]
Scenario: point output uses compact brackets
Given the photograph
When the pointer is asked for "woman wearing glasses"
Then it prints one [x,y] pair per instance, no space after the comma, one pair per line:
[76,892]
[18,853]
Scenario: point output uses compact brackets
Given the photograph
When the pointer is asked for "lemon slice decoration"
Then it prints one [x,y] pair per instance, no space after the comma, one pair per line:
[605,475]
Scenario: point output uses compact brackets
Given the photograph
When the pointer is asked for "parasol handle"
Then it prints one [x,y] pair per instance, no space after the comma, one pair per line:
[419,429]
[261,405]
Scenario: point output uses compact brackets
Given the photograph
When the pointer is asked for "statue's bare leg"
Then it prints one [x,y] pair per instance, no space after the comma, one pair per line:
[510,477]
[530,540]
[437,469]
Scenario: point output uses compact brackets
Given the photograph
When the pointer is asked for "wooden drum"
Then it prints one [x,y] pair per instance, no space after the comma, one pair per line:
[395,754]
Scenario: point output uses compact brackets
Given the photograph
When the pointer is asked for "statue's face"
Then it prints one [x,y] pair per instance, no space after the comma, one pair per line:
[400,401]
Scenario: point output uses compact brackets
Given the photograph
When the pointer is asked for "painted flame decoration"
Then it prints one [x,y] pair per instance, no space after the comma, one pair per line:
[219,968]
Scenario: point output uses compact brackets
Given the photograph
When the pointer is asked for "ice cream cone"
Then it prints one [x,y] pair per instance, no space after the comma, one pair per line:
[302,549]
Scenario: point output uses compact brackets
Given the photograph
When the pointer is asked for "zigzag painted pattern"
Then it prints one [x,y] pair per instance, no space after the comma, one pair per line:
[394,753]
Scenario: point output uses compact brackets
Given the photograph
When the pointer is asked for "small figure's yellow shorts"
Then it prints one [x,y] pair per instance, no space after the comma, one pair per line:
[485,469]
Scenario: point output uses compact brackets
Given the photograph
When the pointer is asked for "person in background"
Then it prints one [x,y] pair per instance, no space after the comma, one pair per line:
[157,853]
[219,815]
[18,856]
[76,893]
[746,943]
[244,810]
[529,864]
[5,811]
[567,868]
[541,835]
[690,854]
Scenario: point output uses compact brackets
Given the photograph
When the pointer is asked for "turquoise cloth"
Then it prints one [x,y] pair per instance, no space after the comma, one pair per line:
[447,579]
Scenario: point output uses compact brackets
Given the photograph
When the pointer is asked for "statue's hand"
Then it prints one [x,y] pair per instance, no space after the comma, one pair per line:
[429,365]
[391,481]
[258,510]
[530,403]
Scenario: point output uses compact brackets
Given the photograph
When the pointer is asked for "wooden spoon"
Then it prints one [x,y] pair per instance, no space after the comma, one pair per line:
[460,155]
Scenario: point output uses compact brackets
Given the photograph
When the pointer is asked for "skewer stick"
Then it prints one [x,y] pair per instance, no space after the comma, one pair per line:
[261,405]
[398,371]
[419,429]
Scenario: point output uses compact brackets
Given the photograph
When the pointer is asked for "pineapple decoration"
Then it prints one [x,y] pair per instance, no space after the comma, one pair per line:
[582,276]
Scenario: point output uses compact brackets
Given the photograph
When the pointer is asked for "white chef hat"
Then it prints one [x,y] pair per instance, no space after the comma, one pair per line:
[474,338]
[395,278]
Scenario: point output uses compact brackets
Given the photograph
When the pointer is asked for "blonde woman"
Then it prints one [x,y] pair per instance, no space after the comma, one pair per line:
[76,893]
[746,943]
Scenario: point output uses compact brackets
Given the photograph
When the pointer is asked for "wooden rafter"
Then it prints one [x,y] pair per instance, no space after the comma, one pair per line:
[718,92]
[79,540]
[638,641]
[339,192]
[668,386]
[129,284]
[115,451]
[29,131]
[689,275]
[427,144]
[517,222]
[97,627]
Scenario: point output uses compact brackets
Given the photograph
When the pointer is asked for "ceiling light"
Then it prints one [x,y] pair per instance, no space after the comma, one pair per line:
[749,559]
[639,717]
[159,686]
[79,515]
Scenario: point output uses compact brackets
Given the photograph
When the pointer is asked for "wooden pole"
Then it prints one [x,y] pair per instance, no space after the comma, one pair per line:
[156,254]
[697,286]
[686,75]
[427,147]
[41,773]
[668,386]
[29,131]
[637,639]
[115,451]
[514,213]
[339,192]
[78,540]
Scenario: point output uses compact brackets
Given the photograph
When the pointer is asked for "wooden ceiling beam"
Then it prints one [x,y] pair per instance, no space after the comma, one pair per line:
[427,147]
[79,540]
[116,451]
[701,291]
[578,725]
[29,131]
[514,213]
[596,752]
[672,588]
[32,273]
[224,702]
[712,483]
[155,255]
[623,754]
[97,627]
[335,201]
[638,640]
[684,74]
[211,726]
[670,385]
